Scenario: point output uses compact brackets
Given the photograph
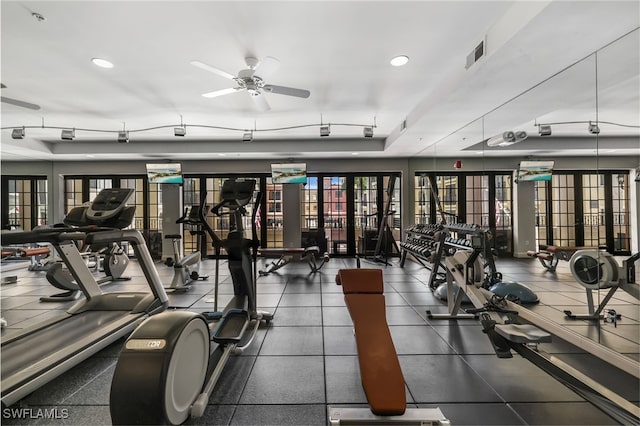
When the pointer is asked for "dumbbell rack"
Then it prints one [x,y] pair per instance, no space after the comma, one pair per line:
[420,242]
[430,243]
[427,243]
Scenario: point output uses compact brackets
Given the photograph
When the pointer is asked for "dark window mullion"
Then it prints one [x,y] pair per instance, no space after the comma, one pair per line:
[462,197]
[351,232]
[578,200]
[608,212]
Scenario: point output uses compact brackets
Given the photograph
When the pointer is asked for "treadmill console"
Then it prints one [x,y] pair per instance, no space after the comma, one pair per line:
[108,203]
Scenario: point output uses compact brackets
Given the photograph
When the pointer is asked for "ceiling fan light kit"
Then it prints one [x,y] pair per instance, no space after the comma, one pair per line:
[252,80]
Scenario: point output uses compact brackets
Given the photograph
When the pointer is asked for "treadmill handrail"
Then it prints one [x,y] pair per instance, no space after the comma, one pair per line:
[114,235]
[42,236]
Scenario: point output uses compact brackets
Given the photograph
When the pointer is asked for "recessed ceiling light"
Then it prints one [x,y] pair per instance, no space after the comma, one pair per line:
[103,63]
[399,61]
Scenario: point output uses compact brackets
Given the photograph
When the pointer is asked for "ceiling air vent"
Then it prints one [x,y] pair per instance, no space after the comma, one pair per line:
[475,55]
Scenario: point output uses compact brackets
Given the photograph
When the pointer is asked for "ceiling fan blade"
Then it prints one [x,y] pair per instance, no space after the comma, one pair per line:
[22,104]
[260,102]
[220,92]
[289,91]
[267,66]
[212,69]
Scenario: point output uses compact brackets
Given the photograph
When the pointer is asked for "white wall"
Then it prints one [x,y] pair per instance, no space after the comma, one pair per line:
[55,172]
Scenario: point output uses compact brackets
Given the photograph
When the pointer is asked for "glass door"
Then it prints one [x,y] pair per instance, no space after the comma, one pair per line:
[619,235]
[593,211]
[585,209]
[563,211]
[365,213]
[334,208]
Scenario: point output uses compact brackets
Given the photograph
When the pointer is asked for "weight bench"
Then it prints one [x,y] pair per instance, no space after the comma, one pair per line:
[380,370]
[35,255]
[296,254]
[550,255]
[25,251]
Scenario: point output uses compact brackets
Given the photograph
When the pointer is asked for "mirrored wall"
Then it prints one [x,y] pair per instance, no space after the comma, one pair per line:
[556,166]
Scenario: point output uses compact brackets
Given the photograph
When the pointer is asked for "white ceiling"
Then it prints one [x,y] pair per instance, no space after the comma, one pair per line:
[340,52]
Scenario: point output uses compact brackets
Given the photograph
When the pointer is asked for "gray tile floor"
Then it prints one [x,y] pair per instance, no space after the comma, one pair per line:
[306,360]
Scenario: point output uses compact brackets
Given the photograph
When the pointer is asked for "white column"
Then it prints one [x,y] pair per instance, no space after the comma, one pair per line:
[291,223]
[171,211]
[524,218]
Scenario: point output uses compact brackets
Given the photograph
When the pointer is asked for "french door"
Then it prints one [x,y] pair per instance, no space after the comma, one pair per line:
[585,209]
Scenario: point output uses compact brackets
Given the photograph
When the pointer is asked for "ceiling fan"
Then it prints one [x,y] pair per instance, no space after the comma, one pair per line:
[17,102]
[252,80]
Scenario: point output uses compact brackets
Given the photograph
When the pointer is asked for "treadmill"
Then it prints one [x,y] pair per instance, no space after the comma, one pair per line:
[35,355]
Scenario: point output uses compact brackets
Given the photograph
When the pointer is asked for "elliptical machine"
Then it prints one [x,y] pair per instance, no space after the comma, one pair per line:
[167,369]
[186,269]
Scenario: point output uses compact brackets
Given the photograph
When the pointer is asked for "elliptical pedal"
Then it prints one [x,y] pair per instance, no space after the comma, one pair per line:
[231,328]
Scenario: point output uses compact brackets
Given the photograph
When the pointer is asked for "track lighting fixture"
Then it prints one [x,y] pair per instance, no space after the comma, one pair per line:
[68,134]
[520,135]
[123,136]
[18,133]
[507,138]
[503,139]
[593,128]
[544,130]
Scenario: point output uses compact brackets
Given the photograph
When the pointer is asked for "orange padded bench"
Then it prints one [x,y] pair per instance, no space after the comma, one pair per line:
[380,370]
[25,251]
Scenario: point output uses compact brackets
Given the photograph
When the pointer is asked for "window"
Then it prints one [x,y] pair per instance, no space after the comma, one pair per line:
[24,202]
[275,207]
